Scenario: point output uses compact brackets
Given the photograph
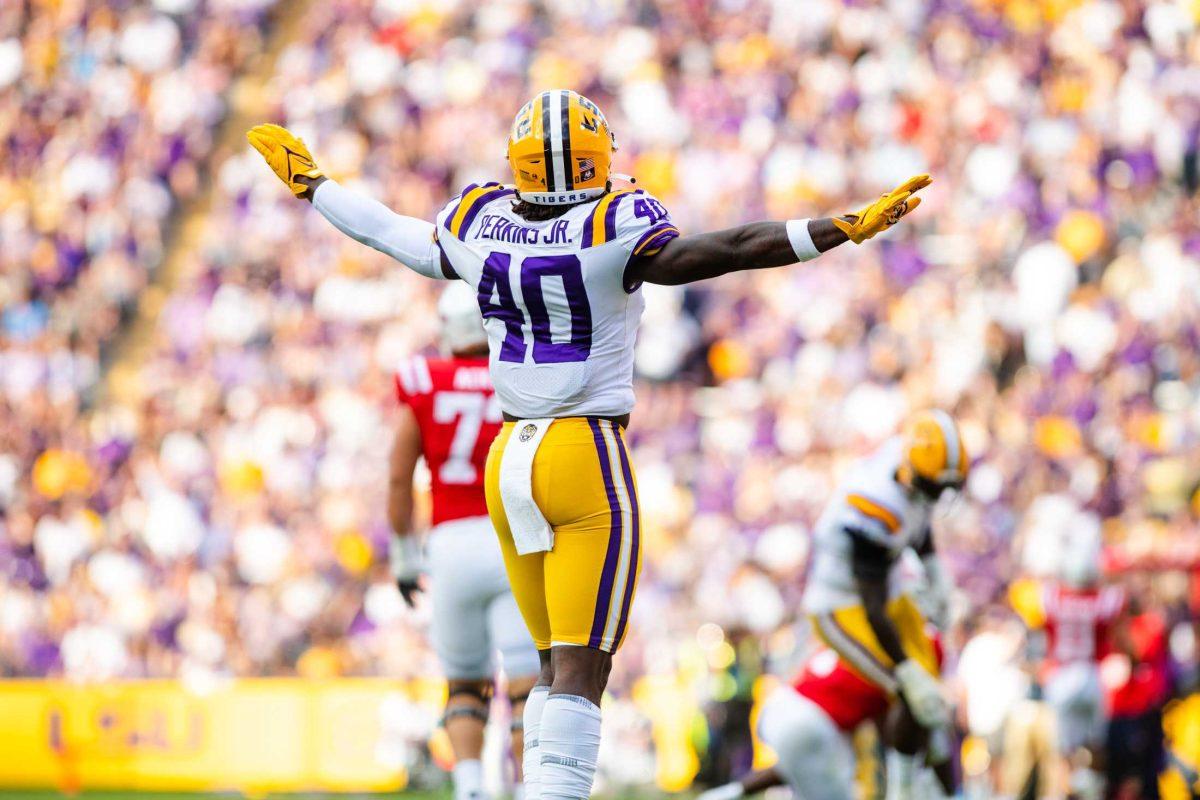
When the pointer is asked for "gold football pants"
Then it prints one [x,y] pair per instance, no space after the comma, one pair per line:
[579,592]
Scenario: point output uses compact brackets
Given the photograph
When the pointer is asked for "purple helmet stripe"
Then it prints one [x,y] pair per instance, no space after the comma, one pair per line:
[547,152]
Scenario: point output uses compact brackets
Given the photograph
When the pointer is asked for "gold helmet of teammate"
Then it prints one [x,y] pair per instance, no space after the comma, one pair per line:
[560,149]
[935,458]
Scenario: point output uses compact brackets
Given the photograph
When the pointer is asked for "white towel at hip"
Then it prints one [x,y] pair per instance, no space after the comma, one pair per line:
[531,533]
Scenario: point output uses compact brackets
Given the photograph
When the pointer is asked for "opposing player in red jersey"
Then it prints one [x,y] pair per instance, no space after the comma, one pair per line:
[449,415]
[1078,614]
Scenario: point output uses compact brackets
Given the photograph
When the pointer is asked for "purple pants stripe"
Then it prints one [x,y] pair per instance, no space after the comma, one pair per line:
[613,556]
[627,601]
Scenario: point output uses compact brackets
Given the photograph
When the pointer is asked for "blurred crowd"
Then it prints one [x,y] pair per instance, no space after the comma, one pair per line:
[229,518]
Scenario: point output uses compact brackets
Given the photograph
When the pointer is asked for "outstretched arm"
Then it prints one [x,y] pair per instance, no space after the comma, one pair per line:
[761,245]
[406,239]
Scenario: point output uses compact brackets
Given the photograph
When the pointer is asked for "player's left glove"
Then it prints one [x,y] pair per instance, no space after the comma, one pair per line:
[404,555]
[884,212]
[285,154]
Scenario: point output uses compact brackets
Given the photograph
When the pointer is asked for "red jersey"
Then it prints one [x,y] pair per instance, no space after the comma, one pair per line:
[1149,681]
[838,691]
[459,416]
[1078,621]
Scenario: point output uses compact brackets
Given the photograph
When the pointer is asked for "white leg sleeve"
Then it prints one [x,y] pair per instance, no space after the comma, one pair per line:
[570,743]
[406,239]
[531,764]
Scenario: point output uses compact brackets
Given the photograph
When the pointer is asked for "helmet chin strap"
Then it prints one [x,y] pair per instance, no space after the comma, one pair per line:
[621,176]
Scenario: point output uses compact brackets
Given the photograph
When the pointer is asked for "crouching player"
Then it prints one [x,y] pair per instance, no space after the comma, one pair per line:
[856,596]
[811,724]
[450,416]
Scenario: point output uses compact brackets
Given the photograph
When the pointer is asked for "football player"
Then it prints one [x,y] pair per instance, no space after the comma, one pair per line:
[1077,613]
[855,594]
[557,261]
[449,415]
[810,725]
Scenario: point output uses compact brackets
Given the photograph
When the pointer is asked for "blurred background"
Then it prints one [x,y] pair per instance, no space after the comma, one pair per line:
[195,369]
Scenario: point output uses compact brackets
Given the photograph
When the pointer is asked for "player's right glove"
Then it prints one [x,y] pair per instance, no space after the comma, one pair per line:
[923,694]
[285,154]
[884,212]
[404,555]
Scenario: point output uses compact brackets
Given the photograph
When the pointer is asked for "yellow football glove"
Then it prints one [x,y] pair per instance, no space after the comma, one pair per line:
[286,154]
[884,212]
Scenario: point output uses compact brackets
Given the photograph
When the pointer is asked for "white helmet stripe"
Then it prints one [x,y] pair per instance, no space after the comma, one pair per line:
[950,436]
[556,140]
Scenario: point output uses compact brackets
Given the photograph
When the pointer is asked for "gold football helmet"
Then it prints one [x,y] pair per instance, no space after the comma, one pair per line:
[935,457]
[560,149]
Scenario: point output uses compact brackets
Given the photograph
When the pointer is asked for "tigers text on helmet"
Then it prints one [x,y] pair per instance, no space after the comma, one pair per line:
[935,457]
[462,323]
[560,149]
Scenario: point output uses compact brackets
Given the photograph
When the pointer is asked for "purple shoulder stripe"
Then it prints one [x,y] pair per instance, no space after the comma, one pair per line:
[610,217]
[480,202]
[457,202]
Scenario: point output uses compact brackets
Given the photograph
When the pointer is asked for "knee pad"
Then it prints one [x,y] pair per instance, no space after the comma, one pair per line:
[465,711]
[480,691]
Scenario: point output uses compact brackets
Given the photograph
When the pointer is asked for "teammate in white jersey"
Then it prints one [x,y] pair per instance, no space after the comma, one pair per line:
[855,596]
[557,261]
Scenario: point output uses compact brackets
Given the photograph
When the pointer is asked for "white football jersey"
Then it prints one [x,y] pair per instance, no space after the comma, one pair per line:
[561,322]
[875,505]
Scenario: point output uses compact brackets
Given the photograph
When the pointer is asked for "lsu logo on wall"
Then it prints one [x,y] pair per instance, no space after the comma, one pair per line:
[270,735]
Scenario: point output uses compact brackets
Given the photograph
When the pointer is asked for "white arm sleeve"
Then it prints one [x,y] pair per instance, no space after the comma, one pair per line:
[406,239]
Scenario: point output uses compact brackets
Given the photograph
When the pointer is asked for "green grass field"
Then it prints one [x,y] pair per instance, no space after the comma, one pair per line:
[41,794]
[441,794]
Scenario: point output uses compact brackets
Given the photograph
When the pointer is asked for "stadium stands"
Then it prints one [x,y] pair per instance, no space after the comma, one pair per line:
[231,520]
